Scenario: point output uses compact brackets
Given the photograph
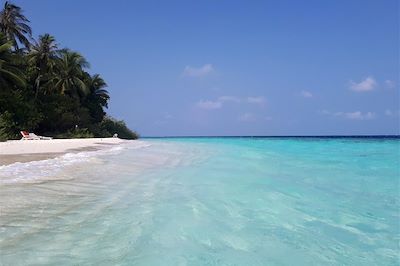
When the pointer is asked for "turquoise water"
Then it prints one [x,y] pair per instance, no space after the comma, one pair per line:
[207,201]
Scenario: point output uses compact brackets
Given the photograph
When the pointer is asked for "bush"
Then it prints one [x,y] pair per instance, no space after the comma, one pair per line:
[78,133]
[16,114]
[110,126]
[7,127]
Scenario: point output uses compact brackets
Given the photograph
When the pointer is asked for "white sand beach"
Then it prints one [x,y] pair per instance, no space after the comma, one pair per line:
[16,147]
[30,150]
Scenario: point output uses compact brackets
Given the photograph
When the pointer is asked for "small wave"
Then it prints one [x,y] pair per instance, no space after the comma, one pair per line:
[35,170]
[137,144]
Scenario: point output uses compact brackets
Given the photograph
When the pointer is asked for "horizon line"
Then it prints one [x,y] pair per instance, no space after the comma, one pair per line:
[278,136]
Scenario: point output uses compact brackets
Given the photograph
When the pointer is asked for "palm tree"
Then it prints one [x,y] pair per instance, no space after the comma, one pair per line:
[97,92]
[42,58]
[97,97]
[69,74]
[44,53]
[10,73]
[14,25]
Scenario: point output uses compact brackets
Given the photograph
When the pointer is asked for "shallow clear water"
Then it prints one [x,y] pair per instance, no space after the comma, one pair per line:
[207,201]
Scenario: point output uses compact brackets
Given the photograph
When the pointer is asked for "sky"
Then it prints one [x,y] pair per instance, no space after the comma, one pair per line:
[229,68]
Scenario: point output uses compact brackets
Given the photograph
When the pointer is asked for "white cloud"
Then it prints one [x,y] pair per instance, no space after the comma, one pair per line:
[247,117]
[367,84]
[388,112]
[229,99]
[256,100]
[306,94]
[198,72]
[168,116]
[390,84]
[325,112]
[222,100]
[357,115]
[160,122]
[209,105]
[164,120]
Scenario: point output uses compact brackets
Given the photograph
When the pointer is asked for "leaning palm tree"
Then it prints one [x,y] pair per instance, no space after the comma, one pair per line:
[69,74]
[15,25]
[97,91]
[97,98]
[42,59]
[10,73]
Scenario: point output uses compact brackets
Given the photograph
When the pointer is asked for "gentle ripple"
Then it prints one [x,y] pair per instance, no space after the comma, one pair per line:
[206,201]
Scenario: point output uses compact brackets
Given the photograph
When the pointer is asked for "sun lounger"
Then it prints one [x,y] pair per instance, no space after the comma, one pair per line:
[26,136]
[32,136]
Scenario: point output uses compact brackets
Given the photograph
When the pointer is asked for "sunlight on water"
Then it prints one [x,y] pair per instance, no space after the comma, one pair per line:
[205,201]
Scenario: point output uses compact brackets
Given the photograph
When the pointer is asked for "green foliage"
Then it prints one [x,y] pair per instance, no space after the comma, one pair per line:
[7,126]
[76,133]
[10,70]
[48,90]
[14,25]
[18,113]
[112,126]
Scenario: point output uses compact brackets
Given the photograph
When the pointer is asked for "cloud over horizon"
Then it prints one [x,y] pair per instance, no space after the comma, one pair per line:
[256,100]
[306,94]
[390,84]
[247,117]
[356,115]
[389,112]
[367,84]
[209,105]
[199,71]
[220,101]
[229,99]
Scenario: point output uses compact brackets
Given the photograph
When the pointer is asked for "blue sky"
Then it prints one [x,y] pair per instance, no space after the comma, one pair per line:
[238,67]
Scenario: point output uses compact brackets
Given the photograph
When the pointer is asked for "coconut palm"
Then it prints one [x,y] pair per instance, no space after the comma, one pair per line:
[15,25]
[97,92]
[69,74]
[97,97]
[10,73]
[42,58]
[44,53]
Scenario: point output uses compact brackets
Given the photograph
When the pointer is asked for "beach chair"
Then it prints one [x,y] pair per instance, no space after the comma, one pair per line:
[32,136]
[26,136]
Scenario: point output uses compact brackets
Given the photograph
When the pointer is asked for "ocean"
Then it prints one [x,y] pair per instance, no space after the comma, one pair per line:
[207,201]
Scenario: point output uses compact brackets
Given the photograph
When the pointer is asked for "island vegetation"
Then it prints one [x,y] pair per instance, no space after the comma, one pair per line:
[47,89]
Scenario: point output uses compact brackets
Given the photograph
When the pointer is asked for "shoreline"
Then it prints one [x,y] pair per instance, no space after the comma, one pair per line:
[22,151]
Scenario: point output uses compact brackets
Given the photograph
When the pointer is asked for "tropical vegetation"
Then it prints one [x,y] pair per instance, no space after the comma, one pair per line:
[48,89]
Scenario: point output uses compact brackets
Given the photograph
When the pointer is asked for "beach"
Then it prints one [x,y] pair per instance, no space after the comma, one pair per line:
[33,150]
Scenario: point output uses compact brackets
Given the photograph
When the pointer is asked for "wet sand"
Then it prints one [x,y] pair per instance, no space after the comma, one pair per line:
[34,150]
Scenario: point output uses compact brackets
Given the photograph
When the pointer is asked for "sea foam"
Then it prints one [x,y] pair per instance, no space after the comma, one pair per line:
[34,171]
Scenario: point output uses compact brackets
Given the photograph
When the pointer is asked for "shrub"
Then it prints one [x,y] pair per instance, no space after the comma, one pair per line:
[76,133]
[111,126]
[7,127]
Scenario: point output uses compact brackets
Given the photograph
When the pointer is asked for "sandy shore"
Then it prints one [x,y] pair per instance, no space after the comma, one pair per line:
[32,150]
